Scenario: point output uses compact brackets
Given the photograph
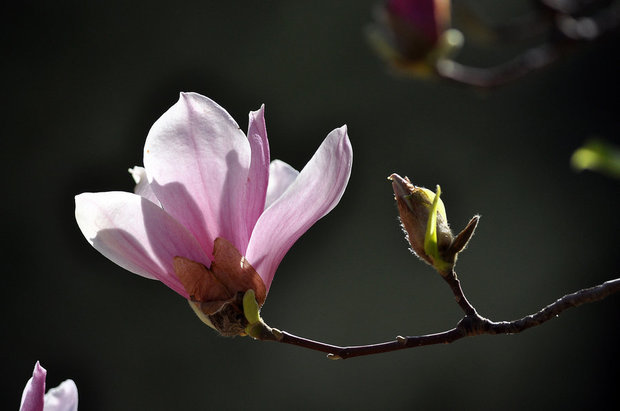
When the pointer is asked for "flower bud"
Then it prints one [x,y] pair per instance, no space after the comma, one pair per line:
[423,217]
[418,22]
[414,34]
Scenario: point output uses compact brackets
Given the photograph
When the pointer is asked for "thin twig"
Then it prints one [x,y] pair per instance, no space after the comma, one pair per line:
[568,27]
[459,296]
[532,59]
[587,295]
[472,324]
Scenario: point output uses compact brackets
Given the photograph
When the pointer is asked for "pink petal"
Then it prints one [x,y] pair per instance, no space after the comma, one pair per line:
[281,176]
[32,397]
[258,176]
[143,188]
[137,235]
[62,398]
[420,14]
[197,161]
[313,194]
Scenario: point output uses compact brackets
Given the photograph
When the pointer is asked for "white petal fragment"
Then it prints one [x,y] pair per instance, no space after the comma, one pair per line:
[143,188]
[62,398]
[281,176]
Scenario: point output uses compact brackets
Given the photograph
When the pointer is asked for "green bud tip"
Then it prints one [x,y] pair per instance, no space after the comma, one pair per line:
[250,307]
[430,238]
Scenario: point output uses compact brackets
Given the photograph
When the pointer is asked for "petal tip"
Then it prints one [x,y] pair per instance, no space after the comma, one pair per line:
[79,200]
[39,370]
[258,114]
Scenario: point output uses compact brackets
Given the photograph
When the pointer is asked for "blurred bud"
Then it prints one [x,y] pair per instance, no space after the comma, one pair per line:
[414,34]
[424,219]
[418,21]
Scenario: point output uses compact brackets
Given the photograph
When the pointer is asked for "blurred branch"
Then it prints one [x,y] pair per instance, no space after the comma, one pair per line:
[589,27]
[570,22]
[501,74]
[480,29]
[470,325]
[573,6]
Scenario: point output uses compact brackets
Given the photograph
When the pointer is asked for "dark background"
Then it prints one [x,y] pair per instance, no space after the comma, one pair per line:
[83,83]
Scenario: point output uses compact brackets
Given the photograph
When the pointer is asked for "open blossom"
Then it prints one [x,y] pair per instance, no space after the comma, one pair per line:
[211,216]
[62,398]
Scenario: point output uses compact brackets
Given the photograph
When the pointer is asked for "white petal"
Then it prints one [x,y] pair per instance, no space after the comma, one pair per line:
[281,176]
[137,235]
[143,188]
[62,398]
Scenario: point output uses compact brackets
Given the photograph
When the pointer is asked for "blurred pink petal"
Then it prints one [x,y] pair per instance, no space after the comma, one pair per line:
[426,16]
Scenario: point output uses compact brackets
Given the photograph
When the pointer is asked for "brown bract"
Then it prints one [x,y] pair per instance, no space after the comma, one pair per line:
[414,206]
[216,289]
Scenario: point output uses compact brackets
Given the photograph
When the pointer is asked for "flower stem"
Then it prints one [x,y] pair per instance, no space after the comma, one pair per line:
[459,296]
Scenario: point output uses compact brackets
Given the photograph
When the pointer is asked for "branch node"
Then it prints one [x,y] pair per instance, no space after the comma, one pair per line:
[333,356]
[472,325]
[401,340]
[277,333]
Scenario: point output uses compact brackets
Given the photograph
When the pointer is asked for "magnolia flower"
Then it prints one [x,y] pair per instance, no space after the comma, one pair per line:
[62,398]
[211,217]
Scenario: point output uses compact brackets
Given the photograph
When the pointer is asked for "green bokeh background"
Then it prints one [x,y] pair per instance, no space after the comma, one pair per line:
[84,81]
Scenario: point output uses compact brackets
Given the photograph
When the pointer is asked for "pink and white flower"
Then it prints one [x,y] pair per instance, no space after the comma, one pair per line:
[206,185]
[62,398]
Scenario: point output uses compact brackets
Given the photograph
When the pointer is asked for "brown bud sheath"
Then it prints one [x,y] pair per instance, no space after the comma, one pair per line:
[216,293]
[414,205]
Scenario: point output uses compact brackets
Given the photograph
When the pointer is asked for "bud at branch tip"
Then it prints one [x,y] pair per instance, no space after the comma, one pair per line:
[424,219]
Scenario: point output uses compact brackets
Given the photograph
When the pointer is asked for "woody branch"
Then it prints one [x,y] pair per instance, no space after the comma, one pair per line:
[470,325]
